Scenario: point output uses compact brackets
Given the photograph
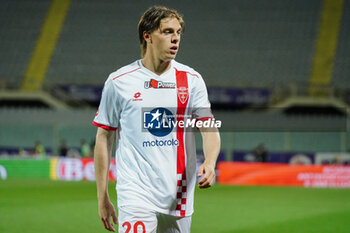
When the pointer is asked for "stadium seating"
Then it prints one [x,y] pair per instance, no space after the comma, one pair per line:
[238,42]
[342,61]
[22,127]
[21,22]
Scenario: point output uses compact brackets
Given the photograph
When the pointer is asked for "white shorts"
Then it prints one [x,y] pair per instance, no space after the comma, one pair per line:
[139,220]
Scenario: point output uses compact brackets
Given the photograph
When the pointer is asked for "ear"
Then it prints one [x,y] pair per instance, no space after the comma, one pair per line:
[147,37]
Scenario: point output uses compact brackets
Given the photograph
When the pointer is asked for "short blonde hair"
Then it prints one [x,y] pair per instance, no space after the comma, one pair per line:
[150,21]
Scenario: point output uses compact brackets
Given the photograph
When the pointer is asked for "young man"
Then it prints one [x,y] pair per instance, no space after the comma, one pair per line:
[155,160]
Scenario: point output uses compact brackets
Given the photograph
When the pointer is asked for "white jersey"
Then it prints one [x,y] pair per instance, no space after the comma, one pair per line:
[155,159]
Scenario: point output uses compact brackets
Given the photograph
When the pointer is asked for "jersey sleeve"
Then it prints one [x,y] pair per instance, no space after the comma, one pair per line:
[201,105]
[108,112]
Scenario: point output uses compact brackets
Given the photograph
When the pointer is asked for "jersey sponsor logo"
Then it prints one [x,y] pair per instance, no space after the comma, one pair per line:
[182,93]
[160,143]
[137,96]
[159,121]
[159,84]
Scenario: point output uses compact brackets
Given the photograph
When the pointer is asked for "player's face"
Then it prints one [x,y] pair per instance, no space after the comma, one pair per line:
[166,39]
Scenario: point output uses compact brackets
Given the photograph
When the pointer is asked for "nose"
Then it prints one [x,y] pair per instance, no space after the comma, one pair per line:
[175,38]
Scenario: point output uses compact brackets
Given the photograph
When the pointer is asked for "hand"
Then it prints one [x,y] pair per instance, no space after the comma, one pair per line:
[209,175]
[106,211]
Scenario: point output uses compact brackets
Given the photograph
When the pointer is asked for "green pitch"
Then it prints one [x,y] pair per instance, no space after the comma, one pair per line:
[42,206]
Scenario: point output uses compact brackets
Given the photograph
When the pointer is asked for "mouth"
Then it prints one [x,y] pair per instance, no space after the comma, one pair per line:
[173,50]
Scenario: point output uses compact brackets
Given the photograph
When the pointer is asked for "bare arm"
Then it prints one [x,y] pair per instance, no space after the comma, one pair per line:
[102,157]
[211,147]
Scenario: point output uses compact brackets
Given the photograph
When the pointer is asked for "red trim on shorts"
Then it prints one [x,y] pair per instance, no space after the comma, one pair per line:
[126,73]
[104,126]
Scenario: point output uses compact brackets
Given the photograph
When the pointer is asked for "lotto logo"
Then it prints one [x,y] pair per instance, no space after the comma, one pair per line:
[137,96]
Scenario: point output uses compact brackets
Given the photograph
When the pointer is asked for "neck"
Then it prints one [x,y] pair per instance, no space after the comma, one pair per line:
[156,65]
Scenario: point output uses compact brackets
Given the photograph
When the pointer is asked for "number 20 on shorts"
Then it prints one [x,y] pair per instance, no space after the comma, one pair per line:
[136,225]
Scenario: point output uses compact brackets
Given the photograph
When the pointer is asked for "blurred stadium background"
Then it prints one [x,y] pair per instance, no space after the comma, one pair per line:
[277,72]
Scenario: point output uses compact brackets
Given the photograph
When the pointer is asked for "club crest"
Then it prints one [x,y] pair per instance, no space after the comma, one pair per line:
[182,94]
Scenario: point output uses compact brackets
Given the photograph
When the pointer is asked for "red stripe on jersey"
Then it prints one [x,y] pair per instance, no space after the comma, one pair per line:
[104,126]
[182,101]
[181,84]
[126,73]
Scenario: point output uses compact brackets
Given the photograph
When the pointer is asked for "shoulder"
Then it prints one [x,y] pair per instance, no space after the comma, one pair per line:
[184,68]
[124,71]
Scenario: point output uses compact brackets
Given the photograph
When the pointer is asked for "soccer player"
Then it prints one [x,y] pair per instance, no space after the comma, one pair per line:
[140,108]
